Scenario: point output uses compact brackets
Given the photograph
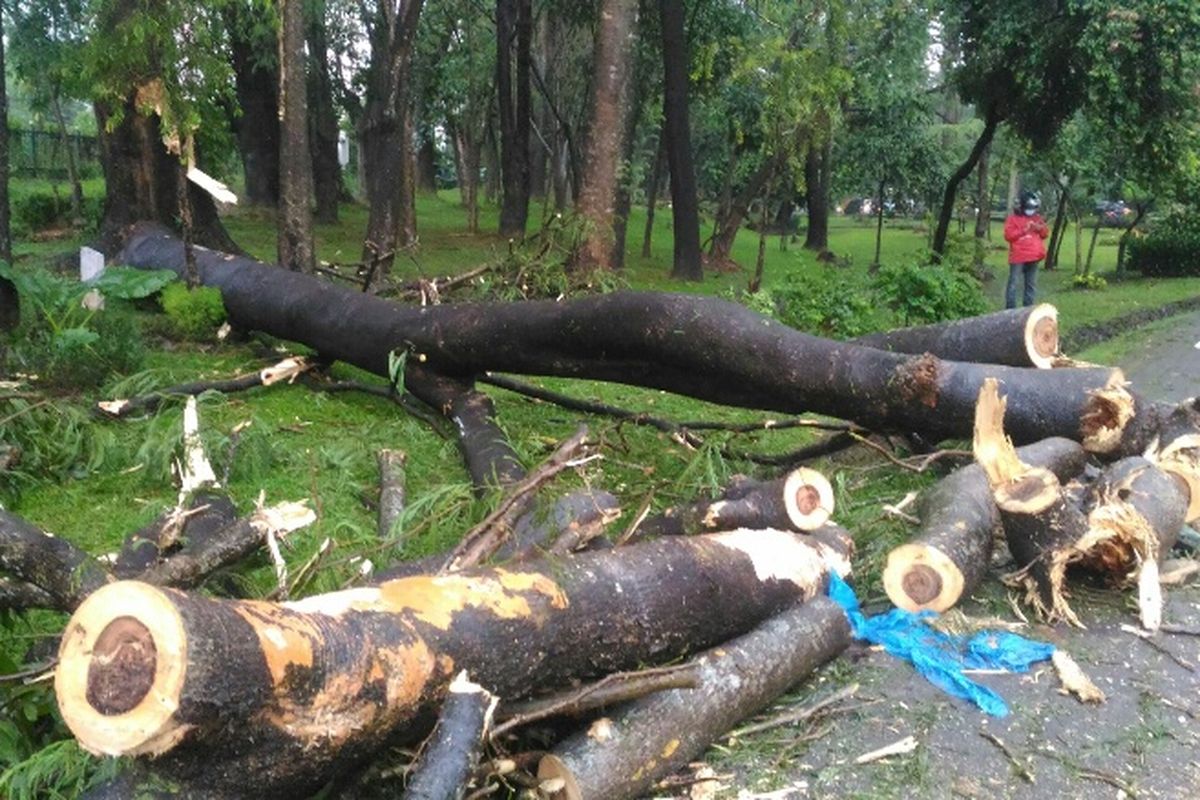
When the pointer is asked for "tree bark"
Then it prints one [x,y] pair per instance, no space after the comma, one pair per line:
[10,303]
[391,490]
[253,57]
[295,172]
[731,222]
[946,214]
[691,345]
[449,760]
[685,206]
[1021,337]
[817,165]
[1058,232]
[381,131]
[69,154]
[952,551]
[322,119]
[652,189]
[427,164]
[514,28]
[598,189]
[983,214]
[650,738]
[295,693]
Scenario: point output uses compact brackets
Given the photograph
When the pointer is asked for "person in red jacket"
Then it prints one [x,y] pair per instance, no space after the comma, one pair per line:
[1026,232]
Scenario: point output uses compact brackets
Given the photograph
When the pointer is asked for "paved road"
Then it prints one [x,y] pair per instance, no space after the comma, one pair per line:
[1167,365]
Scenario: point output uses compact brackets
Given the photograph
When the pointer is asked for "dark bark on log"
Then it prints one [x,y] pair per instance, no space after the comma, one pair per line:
[1177,450]
[1019,337]
[1133,491]
[697,346]
[206,515]
[490,459]
[951,553]
[450,757]
[800,501]
[294,693]
[655,736]
[391,490]
[51,563]
[20,595]
[619,687]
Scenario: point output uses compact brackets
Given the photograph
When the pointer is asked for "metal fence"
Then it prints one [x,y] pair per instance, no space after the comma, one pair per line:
[43,154]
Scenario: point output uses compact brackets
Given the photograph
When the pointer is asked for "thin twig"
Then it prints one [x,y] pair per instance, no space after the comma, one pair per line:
[1012,759]
[797,715]
[1110,779]
[13,677]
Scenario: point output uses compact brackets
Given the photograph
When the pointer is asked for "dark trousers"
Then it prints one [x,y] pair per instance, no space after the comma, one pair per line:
[1030,270]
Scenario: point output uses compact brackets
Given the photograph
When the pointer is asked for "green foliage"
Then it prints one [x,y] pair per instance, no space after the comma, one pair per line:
[68,342]
[1088,281]
[193,313]
[1170,249]
[824,309]
[39,211]
[922,294]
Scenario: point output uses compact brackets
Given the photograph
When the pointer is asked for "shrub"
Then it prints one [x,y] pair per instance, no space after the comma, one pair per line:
[924,294]
[39,210]
[1171,248]
[1088,281]
[825,309]
[193,313]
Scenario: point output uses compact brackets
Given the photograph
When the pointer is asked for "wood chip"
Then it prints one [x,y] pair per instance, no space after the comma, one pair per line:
[1073,679]
[905,745]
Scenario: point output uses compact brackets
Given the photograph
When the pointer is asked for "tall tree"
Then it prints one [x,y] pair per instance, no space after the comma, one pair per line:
[147,114]
[514,38]
[677,133]
[295,165]
[253,29]
[10,303]
[391,27]
[817,182]
[322,116]
[606,133]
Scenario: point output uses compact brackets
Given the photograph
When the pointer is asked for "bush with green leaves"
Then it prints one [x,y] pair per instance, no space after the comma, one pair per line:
[920,294]
[67,338]
[1088,281]
[193,313]
[37,211]
[823,309]
[1170,248]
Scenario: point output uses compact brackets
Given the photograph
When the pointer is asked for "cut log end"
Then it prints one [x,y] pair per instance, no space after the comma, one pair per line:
[1030,493]
[808,497]
[119,677]
[1041,336]
[920,577]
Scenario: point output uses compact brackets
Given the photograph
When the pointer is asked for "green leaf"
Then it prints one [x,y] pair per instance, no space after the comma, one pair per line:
[126,283]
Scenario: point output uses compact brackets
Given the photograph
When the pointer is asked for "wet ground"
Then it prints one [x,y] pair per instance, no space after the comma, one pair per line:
[1142,742]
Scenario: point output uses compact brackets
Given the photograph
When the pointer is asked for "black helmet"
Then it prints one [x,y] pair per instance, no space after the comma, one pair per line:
[1029,201]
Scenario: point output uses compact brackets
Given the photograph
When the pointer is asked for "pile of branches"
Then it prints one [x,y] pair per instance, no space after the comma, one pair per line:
[497,634]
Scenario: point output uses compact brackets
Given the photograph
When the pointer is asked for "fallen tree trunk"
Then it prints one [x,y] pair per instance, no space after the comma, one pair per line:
[292,693]
[697,346]
[800,501]
[625,755]
[1018,337]
[950,554]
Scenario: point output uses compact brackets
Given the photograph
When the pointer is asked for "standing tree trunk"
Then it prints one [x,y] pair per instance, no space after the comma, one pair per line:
[427,164]
[731,222]
[878,222]
[983,213]
[69,152]
[676,129]
[1059,231]
[381,131]
[295,174]
[10,304]
[816,193]
[991,122]
[252,54]
[407,234]
[322,119]
[660,161]
[514,24]
[598,192]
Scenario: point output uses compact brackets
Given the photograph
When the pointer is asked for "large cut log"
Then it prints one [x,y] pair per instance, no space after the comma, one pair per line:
[623,756]
[697,346]
[292,693]
[1018,337]
[951,552]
